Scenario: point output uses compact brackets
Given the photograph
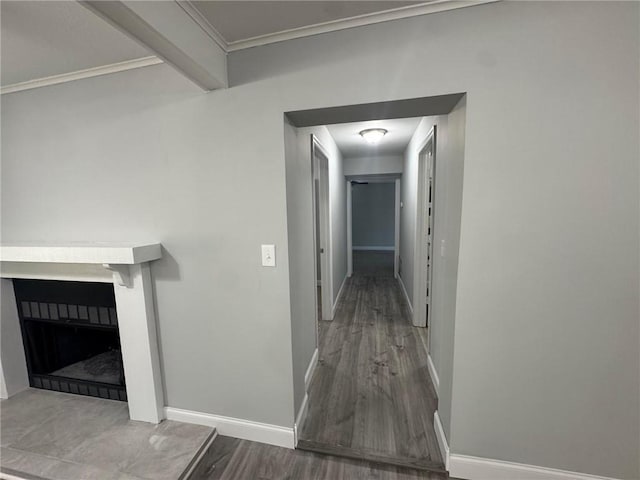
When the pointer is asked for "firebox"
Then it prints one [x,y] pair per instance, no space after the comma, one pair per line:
[70,336]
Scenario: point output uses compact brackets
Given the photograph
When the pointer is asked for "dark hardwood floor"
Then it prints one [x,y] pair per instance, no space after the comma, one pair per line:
[234,459]
[371,396]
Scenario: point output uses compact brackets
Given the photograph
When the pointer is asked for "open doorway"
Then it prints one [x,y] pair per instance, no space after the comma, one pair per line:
[370,387]
[371,391]
[374,224]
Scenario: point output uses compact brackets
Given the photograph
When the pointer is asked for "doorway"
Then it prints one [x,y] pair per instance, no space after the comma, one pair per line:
[321,229]
[373,216]
[370,394]
[425,233]
[371,389]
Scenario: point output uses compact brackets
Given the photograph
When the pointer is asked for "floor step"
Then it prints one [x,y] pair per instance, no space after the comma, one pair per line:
[373,457]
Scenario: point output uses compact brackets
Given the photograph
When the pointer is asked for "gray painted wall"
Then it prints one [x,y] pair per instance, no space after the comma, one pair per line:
[373,214]
[448,210]
[300,236]
[409,195]
[447,216]
[376,165]
[337,213]
[301,254]
[546,334]
[133,157]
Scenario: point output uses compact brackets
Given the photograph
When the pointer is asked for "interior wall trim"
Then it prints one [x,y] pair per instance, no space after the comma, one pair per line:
[358,21]
[433,372]
[443,445]
[191,10]
[301,417]
[335,304]
[308,376]
[406,295]
[81,74]
[236,427]
[476,468]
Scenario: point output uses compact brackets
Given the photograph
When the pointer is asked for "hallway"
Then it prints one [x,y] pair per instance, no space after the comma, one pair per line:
[371,396]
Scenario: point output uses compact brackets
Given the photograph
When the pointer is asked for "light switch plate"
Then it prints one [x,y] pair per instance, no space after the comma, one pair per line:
[268,255]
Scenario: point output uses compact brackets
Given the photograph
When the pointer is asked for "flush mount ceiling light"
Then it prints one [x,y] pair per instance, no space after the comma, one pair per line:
[373,135]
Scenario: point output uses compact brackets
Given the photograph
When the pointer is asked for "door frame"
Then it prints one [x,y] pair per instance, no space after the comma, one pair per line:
[374,178]
[349,229]
[396,251]
[321,173]
[420,249]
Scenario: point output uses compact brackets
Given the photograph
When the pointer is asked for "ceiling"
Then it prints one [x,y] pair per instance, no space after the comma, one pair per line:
[66,41]
[237,20]
[44,38]
[351,144]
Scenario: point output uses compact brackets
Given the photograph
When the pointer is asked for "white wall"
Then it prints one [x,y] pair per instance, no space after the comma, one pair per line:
[373,165]
[546,333]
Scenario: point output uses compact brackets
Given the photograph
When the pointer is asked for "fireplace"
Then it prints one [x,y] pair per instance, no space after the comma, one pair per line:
[70,336]
[92,326]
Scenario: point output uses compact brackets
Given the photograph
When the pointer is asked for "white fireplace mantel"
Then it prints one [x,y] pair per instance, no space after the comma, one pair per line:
[126,265]
[97,253]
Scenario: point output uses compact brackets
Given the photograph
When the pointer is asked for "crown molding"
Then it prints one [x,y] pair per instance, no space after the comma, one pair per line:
[358,21]
[306,31]
[80,74]
[191,10]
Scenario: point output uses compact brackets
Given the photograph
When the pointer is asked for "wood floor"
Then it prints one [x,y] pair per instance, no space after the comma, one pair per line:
[371,396]
[234,459]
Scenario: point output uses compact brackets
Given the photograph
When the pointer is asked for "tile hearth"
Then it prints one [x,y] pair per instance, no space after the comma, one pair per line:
[53,435]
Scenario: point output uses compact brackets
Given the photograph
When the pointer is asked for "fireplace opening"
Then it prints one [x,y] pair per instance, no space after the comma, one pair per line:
[70,336]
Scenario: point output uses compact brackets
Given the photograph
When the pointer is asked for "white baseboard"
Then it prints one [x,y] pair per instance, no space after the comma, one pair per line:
[302,416]
[432,371]
[236,427]
[335,304]
[308,375]
[385,249]
[304,408]
[476,468]
[7,392]
[406,295]
[442,439]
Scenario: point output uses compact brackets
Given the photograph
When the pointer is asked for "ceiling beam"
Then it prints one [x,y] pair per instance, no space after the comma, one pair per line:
[171,34]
